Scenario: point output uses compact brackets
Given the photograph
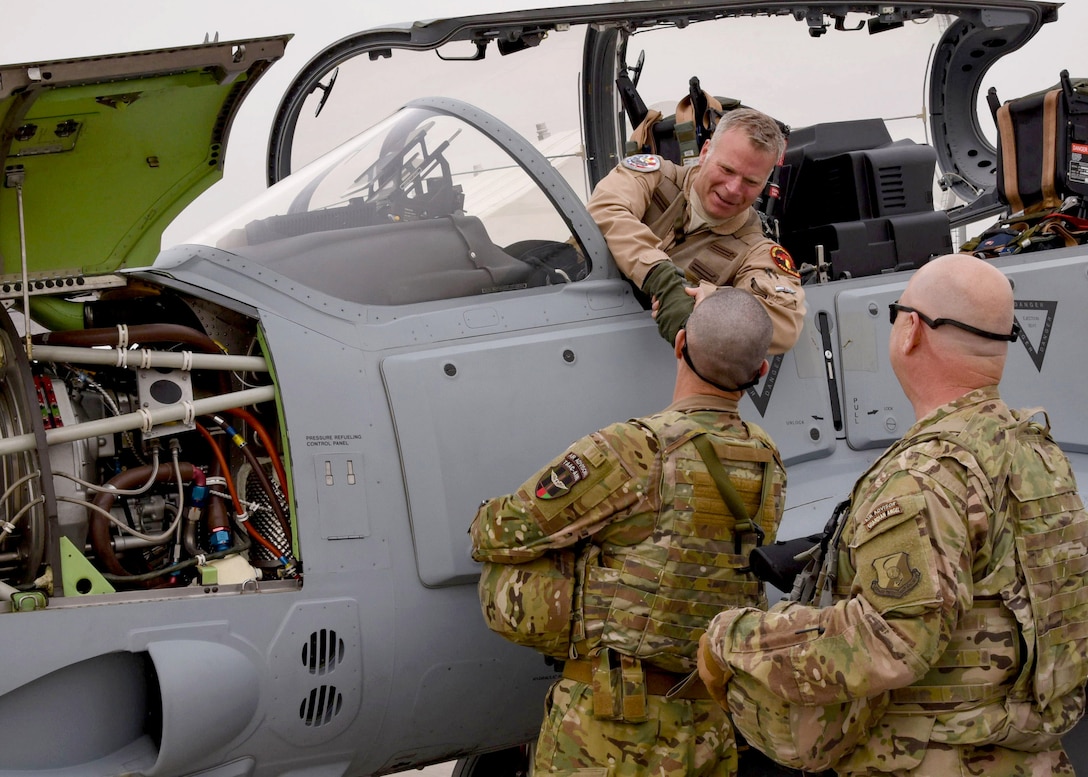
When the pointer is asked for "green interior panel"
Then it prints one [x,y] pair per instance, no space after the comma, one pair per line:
[133,156]
[106,162]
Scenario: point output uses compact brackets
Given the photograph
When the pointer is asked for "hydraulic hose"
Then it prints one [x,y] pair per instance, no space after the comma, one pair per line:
[99,526]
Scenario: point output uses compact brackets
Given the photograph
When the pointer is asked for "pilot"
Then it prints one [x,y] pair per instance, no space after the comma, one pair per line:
[661,219]
[945,628]
[643,504]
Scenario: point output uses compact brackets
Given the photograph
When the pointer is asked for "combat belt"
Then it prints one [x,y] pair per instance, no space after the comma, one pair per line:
[620,684]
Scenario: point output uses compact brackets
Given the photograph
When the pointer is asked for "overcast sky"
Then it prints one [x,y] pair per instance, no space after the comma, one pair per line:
[64,29]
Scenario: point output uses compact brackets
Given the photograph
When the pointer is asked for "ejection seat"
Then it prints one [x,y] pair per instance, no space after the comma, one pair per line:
[856,203]
[1042,176]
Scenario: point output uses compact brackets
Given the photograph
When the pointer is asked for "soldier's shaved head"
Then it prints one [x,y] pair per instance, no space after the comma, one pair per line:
[728,335]
[936,365]
[967,289]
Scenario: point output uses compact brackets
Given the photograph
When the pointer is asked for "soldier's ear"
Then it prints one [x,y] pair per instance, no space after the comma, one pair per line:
[914,333]
[763,368]
[704,151]
[679,343]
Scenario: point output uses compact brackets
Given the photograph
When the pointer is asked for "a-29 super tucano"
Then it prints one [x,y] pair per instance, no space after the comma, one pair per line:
[237,475]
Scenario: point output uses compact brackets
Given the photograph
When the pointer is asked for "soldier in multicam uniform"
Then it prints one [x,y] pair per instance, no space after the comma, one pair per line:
[948,633]
[656,554]
[659,217]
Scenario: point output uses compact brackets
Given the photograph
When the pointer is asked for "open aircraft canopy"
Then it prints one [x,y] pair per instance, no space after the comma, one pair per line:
[801,62]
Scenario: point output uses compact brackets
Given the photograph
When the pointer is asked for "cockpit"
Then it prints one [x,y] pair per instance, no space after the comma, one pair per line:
[891,157]
[423,206]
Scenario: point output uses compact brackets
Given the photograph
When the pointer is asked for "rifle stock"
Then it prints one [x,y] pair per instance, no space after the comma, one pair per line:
[778,564]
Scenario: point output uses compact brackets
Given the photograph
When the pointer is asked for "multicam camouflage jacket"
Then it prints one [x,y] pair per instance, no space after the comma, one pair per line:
[959,599]
[656,554]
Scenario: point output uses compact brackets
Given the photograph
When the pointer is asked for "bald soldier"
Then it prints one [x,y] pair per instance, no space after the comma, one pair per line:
[657,554]
[944,632]
[664,221]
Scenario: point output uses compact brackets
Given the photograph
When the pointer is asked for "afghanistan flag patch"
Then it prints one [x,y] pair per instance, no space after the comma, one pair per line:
[559,481]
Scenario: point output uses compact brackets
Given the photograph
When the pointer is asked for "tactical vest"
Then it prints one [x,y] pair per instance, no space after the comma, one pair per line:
[1018,660]
[653,598]
[703,255]
[1013,673]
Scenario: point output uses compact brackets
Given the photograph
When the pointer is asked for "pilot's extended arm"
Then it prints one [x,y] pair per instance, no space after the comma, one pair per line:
[768,274]
[601,478]
[618,205]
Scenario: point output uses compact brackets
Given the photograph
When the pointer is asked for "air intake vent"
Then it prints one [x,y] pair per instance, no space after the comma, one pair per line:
[893,194]
[321,706]
[316,663]
[323,653]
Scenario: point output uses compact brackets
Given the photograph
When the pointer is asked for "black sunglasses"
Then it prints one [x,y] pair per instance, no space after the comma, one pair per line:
[933,323]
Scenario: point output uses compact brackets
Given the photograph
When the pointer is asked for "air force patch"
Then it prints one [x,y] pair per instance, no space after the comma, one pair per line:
[561,478]
[643,163]
[894,576]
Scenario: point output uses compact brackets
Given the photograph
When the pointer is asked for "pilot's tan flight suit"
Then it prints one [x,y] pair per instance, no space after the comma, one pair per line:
[644,211]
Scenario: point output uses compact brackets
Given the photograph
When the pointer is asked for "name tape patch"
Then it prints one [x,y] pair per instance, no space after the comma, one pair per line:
[881,513]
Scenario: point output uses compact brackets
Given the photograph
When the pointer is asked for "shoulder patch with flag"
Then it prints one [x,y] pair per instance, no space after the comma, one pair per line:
[643,163]
[562,477]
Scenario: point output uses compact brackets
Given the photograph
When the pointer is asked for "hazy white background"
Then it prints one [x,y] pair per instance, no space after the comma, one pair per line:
[64,29]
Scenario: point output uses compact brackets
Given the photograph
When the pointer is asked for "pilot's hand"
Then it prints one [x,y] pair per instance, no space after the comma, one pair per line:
[714,677]
[700,292]
[673,303]
[697,293]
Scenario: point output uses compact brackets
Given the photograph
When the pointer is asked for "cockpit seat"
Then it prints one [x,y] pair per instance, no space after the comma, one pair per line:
[559,261]
[402,262]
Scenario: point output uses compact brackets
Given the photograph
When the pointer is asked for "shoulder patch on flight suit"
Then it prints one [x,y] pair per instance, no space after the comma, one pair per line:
[570,470]
[643,163]
[783,261]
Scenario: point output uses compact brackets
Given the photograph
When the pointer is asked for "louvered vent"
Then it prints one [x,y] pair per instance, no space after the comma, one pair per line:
[893,194]
[315,664]
[323,653]
[321,706]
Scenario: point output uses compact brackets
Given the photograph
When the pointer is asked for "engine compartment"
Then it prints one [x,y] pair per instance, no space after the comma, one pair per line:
[142,451]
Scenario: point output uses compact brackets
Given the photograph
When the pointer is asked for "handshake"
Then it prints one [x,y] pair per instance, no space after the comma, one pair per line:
[673,301]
